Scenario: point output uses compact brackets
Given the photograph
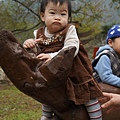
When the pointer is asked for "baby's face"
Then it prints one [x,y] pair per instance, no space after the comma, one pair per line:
[55,17]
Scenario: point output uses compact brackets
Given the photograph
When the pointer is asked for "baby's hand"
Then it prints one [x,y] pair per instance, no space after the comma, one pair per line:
[44,56]
[39,39]
[29,43]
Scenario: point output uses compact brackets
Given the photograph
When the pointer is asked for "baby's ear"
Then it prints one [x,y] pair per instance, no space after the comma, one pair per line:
[42,16]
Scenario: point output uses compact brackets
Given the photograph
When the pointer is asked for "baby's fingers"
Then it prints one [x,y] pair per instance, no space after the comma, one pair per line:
[37,40]
[44,56]
[41,56]
[47,60]
[29,43]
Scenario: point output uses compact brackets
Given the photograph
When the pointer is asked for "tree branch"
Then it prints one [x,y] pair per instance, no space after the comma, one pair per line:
[26,7]
[17,31]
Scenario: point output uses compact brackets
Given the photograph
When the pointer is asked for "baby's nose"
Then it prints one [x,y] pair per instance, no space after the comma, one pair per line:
[57,16]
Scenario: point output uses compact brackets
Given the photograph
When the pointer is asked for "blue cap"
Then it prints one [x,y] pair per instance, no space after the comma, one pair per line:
[113,32]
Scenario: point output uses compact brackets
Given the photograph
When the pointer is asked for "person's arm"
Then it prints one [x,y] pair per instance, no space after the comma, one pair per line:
[104,70]
[113,104]
[70,40]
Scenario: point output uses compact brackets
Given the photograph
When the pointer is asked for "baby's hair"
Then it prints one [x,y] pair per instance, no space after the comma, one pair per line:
[45,2]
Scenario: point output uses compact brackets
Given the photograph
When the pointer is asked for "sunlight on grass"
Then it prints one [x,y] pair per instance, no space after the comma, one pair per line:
[15,105]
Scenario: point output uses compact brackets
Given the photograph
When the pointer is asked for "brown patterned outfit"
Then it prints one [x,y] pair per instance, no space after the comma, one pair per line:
[81,86]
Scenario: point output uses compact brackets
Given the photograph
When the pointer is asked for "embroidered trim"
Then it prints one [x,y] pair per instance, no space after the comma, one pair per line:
[50,40]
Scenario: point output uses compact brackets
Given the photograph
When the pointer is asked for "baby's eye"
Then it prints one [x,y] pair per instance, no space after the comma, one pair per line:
[52,12]
[63,14]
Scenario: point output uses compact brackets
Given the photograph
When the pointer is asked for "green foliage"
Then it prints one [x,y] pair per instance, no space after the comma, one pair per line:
[90,15]
[15,105]
[116,1]
[18,19]
[115,4]
[105,28]
[22,16]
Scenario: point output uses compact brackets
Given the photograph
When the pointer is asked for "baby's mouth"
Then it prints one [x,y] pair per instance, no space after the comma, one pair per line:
[56,23]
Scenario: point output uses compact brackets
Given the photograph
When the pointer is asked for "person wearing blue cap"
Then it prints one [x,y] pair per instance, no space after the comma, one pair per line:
[106,65]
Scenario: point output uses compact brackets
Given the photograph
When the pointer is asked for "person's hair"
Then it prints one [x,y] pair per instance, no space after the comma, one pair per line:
[113,39]
[45,2]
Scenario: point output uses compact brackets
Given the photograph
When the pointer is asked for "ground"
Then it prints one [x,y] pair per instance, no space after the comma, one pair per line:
[15,105]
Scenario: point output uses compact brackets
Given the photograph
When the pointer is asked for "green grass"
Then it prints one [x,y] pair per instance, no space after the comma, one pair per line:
[15,105]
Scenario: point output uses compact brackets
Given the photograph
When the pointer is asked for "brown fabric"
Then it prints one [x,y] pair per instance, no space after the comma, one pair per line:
[53,46]
[81,86]
[25,71]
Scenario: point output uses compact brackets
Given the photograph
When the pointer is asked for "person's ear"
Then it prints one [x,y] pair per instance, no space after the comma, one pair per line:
[42,16]
[110,42]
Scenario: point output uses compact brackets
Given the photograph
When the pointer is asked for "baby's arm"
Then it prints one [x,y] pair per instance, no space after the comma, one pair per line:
[70,40]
